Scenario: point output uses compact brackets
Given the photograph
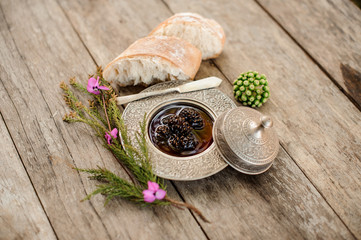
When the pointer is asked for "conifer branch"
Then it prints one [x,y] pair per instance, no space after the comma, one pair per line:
[133,159]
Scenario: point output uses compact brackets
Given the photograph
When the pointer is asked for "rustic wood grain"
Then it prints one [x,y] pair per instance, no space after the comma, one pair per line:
[281,203]
[21,213]
[39,49]
[330,31]
[317,125]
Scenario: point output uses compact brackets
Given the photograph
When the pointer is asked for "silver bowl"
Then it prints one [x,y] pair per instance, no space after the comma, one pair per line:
[198,166]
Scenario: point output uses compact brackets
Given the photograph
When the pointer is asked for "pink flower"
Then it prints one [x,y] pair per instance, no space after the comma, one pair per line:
[93,86]
[113,133]
[153,192]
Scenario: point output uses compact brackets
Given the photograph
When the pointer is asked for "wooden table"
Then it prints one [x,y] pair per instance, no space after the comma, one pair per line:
[310,51]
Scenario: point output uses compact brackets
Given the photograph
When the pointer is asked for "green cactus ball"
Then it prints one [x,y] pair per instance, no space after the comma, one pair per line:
[251,89]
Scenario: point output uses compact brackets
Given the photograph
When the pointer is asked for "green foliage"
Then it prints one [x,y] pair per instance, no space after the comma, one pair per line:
[112,185]
[134,159]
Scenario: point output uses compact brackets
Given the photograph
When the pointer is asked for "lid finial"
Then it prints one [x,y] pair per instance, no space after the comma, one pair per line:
[266,121]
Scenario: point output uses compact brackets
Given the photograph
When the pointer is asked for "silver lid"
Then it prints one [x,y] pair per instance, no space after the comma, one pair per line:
[246,140]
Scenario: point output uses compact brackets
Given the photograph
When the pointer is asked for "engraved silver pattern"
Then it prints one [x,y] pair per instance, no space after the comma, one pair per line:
[244,149]
[195,167]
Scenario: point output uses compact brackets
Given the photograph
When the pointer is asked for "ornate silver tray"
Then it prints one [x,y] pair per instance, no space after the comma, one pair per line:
[202,165]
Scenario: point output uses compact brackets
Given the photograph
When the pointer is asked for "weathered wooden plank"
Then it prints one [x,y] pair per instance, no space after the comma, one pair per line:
[110,27]
[39,49]
[330,31]
[281,203]
[318,126]
[21,213]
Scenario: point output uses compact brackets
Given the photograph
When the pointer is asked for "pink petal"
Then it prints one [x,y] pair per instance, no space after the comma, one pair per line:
[91,90]
[103,88]
[114,133]
[152,186]
[160,194]
[108,138]
[148,196]
[97,82]
[92,82]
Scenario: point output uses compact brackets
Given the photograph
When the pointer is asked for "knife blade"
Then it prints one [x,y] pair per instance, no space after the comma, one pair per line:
[202,84]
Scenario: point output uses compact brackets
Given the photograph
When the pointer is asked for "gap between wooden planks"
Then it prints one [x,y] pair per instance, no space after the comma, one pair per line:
[115,17]
[314,91]
[18,196]
[330,33]
[322,133]
[39,49]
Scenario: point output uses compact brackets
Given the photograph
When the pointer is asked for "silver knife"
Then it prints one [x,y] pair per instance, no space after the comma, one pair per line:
[204,83]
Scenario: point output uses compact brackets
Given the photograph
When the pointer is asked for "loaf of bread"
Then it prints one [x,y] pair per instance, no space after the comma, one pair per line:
[154,59]
[206,34]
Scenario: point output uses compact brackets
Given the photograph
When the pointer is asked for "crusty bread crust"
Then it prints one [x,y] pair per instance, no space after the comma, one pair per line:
[192,18]
[178,52]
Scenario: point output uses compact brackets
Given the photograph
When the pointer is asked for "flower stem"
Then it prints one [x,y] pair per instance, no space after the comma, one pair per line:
[131,176]
[129,173]
[187,205]
[105,111]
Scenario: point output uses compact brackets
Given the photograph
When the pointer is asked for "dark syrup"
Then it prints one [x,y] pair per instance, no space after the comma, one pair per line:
[203,136]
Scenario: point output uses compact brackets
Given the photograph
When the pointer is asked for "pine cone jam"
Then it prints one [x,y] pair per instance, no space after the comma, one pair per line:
[181,130]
